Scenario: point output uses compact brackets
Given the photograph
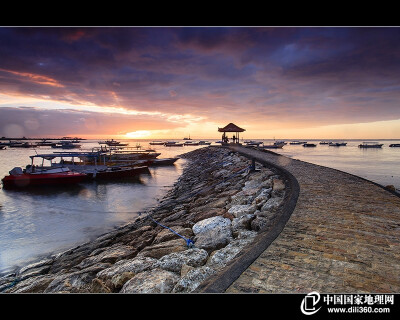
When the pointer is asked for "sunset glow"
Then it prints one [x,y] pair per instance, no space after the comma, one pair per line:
[139,134]
[169,82]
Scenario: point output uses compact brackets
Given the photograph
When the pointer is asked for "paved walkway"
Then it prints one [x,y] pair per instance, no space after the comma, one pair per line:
[343,236]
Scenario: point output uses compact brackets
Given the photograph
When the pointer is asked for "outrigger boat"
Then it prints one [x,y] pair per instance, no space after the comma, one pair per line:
[275,145]
[370,144]
[40,176]
[65,145]
[113,143]
[252,143]
[204,143]
[337,144]
[173,144]
[18,144]
[190,143]
[157,143]
[92,171]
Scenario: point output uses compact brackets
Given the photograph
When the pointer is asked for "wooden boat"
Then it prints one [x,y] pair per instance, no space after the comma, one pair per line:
[309,145]
[163,162]
[157,143]
[204,143]
[275,145]
[132,154]
[370,144]
[65,145]
[190,143]
[115,172]
[173,144]
[324,142]
[91,171]
[298,142]
[253,143]
[113,143]
[33,176]
[394,145]
[44,143]
[337,144]
[17,144]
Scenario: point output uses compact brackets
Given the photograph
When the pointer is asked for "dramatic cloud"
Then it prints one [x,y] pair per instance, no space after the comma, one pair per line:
[258,77]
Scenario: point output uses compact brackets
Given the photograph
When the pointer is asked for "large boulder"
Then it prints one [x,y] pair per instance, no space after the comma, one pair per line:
[193,279]
[193,257]
[211,223]
[240,210]
[152,281]
[104,255]
[135,265]
[221,257]
[161,249]
[212,233]
[79,281]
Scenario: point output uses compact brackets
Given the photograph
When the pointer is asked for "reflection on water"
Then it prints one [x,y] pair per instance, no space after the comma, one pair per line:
[380,165]
[36,222]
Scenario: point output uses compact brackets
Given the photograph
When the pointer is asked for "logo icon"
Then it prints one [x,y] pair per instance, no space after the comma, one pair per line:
[308,305]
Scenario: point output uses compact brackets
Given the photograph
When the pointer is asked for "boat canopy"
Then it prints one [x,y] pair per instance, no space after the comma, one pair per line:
[51,156]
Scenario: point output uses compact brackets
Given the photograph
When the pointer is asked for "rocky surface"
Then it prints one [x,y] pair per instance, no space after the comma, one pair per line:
[217,202]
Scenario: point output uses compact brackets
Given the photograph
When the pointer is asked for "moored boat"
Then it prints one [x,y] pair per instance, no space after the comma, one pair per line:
[173,144]
[190,143]
[65,145]
[33,176]
[157,143]
[204,143]
[309,145]
[394,145]
[275,145]
[163,162]
[370,144]
[97,170]
[337,144]
[252,143]
[113,143]
[298,142]
[18,144]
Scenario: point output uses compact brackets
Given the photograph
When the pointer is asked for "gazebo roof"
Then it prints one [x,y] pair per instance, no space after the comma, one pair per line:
[231,127]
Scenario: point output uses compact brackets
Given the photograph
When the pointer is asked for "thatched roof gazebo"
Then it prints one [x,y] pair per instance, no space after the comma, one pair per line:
[231,127]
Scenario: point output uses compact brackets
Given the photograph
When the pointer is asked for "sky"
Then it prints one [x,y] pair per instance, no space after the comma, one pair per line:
[171,82]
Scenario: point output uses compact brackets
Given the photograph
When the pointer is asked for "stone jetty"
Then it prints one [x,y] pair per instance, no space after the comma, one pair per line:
[343,236]
[220,202]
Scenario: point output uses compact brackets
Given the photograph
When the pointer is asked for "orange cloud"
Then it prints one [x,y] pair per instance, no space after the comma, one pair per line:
[35,78]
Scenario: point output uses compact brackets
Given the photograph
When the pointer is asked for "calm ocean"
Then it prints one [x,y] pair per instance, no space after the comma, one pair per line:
[34,224]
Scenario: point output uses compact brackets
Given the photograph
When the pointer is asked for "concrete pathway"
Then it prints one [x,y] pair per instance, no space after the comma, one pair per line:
[343,236]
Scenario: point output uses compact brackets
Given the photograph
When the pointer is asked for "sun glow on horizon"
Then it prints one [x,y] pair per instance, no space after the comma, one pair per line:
[140,134]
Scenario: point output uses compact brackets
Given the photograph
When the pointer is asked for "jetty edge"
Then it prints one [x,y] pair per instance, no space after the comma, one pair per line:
[221,202]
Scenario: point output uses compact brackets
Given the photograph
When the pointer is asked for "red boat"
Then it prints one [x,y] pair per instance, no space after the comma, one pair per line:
[19,178]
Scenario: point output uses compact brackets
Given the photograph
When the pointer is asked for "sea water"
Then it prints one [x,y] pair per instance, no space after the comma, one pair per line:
[380,165]
[36,223]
